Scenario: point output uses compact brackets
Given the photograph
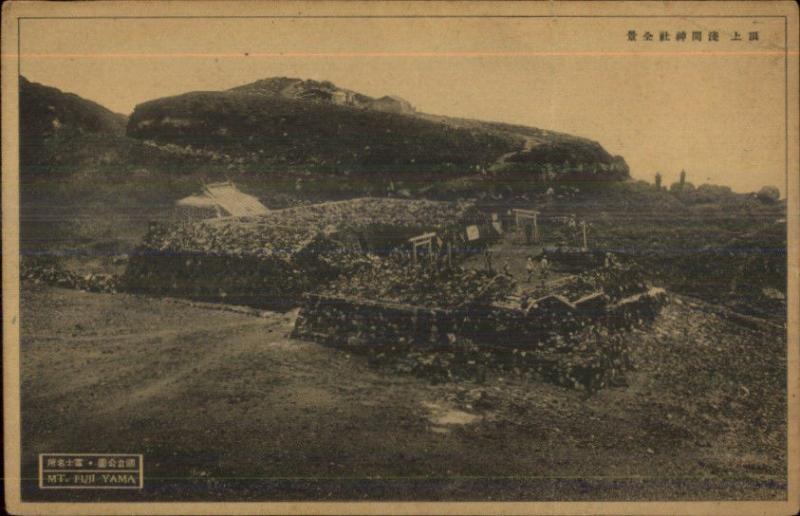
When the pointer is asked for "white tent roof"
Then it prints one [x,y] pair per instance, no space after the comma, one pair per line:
[197,201]
[227,197]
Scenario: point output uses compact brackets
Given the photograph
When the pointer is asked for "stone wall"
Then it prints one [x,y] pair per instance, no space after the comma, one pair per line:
[569,343]
[357,323]
[266,282]
[269,261]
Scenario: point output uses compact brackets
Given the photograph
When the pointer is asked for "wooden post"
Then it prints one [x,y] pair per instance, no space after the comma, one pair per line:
[535,227]
[583,227]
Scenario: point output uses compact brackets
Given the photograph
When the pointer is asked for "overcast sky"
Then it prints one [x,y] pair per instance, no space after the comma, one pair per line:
[715,109]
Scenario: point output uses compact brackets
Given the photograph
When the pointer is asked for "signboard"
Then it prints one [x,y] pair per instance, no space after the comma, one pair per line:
[473,233]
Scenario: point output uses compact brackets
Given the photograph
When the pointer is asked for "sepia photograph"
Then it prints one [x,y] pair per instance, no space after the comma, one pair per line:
[400,257]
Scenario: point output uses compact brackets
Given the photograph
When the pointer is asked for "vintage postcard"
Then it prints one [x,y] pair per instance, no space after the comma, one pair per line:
[400,257]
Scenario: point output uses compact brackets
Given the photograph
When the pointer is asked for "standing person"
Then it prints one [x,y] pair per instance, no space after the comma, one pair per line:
[611,261]
[530,267]
[573,227]
[507,269]
[487,258]
[544,265]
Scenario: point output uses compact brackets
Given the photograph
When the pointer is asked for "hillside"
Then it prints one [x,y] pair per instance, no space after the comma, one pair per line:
[265,130]
[50,116]
[63,135]
[282,122]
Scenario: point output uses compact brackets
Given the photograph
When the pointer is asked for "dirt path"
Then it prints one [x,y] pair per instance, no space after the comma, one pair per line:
[528,144]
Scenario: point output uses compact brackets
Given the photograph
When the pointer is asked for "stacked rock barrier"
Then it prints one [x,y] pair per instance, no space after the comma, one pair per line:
[271,260]
[569,343]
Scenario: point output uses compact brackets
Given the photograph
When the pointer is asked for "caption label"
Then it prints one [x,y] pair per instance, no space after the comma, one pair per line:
[90,471]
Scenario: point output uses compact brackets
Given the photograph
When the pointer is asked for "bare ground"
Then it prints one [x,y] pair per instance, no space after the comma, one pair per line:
[226,406]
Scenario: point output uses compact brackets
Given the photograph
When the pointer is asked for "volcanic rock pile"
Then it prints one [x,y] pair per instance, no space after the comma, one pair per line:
[51,273]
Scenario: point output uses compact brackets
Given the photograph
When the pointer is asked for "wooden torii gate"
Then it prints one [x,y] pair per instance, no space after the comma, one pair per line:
[523,215]
[426,239]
